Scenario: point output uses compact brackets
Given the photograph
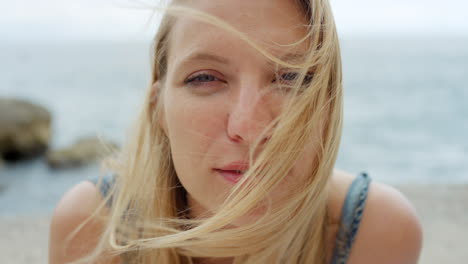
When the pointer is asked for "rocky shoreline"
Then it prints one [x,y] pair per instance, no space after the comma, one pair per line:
[26,133]
[25,129]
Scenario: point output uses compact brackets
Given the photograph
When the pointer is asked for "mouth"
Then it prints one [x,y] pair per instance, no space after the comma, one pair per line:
[233,171]
[232,176]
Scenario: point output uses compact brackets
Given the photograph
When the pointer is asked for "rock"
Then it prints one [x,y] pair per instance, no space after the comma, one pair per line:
[83,152]
[3,186]
[25,129]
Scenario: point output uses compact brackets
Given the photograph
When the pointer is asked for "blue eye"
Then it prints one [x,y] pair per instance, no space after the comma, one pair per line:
[292,76]
[205,83]
[201,78]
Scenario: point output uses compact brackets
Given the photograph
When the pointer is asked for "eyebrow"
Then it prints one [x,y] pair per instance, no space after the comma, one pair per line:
[292,57]
[205,57]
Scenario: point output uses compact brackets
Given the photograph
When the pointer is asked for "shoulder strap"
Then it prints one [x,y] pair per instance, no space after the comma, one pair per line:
[106,183]
[351,217]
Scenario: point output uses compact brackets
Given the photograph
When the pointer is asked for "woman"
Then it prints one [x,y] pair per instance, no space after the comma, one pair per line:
[232,160]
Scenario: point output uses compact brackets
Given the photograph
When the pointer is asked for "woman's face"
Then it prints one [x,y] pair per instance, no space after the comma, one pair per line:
[220,93]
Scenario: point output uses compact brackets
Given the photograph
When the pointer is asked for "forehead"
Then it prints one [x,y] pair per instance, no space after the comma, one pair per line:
[275,25]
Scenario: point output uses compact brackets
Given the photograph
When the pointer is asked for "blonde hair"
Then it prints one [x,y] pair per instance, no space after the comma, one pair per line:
[148,221]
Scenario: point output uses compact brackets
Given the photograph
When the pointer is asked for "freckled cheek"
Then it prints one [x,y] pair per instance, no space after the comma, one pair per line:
[297,177]
[305,162]
[195,124]
[308,159]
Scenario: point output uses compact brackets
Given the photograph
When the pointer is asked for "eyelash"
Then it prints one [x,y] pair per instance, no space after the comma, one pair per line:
[195,80]
[307,79]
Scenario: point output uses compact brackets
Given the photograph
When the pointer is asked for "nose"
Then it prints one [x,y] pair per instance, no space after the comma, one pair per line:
[249,115]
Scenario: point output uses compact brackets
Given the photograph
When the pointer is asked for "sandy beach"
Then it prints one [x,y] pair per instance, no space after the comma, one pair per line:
[443,210]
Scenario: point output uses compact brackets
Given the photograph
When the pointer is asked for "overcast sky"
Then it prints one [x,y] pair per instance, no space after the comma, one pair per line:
[50,19]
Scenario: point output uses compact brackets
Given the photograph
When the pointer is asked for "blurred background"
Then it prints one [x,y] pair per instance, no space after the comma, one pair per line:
[73,73]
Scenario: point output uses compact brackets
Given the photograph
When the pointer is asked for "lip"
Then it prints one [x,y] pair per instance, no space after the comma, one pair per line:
[230,176]
[235,166]
[233,171]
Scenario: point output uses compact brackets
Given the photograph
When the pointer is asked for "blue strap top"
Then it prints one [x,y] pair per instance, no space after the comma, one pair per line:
[106,184]
[350,216]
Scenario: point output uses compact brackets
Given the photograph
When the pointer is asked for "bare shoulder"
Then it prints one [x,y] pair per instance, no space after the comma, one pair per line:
[390,230]
[76,206]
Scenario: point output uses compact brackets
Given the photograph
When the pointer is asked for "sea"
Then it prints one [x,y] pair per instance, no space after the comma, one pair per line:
[405,108]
